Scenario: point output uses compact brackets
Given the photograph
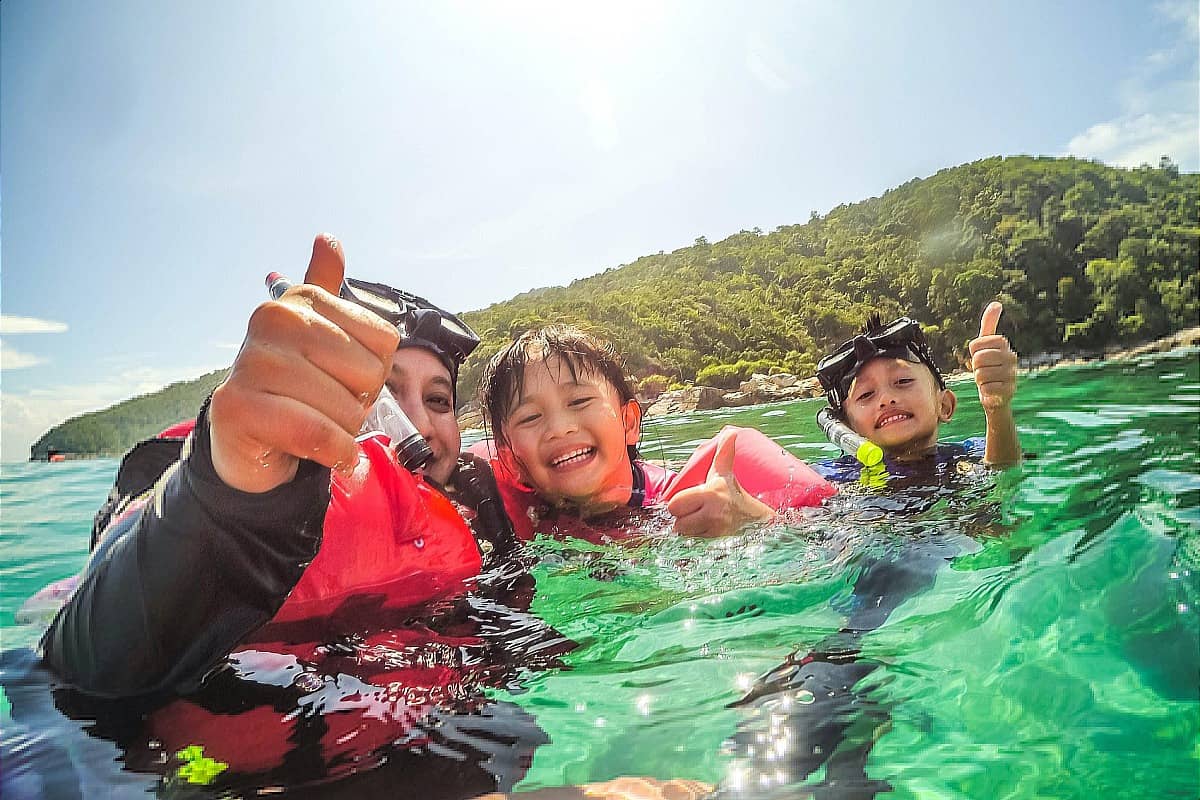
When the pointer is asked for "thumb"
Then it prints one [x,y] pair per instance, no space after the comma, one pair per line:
[991,318]
[327,266]
[722,464]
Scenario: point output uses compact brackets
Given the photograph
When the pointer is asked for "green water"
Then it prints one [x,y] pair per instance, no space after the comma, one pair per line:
[1057,657]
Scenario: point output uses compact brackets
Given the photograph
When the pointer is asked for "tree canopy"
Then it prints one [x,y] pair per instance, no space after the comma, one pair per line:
[1082,255]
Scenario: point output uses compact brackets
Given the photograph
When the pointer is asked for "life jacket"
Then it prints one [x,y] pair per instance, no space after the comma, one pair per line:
[387,534]
[363,654]
[140,468]
[762,467]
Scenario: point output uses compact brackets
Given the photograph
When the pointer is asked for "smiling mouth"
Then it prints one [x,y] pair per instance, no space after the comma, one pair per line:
[890,418]
[573,457]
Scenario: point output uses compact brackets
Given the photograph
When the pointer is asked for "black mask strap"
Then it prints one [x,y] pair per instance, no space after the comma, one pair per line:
[637,498]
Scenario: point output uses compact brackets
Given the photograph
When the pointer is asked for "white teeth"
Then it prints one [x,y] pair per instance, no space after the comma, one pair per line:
[889,420]
[571,456]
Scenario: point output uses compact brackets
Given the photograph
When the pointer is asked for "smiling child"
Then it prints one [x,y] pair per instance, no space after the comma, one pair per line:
[566,425]
[885,385]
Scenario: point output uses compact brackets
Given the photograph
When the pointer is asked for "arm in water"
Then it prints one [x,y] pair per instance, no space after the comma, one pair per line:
[230,528]
[820,710]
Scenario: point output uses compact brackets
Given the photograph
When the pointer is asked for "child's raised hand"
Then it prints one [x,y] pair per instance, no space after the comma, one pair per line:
[993,362]
[719,506]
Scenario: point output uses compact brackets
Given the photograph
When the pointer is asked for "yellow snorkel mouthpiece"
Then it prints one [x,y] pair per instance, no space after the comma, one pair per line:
[867,452]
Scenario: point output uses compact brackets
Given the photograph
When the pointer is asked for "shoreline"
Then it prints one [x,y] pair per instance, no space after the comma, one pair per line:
[781,387]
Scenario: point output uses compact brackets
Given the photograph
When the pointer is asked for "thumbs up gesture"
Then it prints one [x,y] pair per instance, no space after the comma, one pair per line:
[719,506]
[995,367]
[993,362]
[309,368]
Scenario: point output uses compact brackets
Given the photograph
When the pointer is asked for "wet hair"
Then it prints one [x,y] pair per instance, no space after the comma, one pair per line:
[500,390]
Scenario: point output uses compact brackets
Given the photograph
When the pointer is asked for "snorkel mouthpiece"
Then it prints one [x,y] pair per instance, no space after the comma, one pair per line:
[867,452]
[385,416]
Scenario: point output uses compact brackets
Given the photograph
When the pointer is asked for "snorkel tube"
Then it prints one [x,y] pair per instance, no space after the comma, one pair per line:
[385,416]
[867,452]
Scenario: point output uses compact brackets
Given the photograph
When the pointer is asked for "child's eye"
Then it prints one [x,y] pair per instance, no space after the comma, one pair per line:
[581,401]
[865,395]
[528,419]
[904,381]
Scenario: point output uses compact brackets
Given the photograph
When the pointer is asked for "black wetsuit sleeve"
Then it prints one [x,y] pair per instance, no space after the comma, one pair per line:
[202,565]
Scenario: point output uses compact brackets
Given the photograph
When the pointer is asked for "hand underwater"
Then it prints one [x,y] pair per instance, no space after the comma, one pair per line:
[625,788]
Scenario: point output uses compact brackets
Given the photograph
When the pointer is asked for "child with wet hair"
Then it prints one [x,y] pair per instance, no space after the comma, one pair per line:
[887,388]
[566,425]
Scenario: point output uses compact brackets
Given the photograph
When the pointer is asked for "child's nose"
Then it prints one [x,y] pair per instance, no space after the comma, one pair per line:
[561,425]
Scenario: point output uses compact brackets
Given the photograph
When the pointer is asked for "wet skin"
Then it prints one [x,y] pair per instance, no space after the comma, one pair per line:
[422,386]
[568,437]
[898,405]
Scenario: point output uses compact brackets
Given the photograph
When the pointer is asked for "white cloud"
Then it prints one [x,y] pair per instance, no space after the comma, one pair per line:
[11,358]
[12,324]
[1130,141]
[25,416]
[1157,117]
[1183,11]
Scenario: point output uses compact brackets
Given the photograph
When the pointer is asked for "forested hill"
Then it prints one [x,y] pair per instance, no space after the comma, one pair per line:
[1082,255]
[114,430]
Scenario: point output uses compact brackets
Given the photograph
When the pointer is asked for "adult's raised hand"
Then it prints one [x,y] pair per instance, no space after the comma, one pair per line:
[309,368]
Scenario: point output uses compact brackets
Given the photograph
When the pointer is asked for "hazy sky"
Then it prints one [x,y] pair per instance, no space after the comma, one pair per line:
[158,159]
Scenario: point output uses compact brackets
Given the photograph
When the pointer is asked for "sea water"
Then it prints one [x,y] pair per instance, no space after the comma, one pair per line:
[1056,654]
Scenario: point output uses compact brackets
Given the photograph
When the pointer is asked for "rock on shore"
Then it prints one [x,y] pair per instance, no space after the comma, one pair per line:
[784,386]
[759,389]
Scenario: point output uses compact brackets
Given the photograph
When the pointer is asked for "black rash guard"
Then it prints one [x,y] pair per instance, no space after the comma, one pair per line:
[173,588]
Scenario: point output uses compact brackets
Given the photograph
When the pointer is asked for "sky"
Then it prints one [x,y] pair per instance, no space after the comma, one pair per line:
[157,160]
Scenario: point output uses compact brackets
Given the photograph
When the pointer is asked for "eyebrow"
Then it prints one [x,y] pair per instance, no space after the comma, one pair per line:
[397,374]
[535,399]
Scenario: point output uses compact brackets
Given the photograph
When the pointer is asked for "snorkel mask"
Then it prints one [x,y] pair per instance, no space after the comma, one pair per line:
[420,322]
[901,338]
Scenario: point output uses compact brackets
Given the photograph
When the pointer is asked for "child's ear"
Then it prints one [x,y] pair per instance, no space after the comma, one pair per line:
[946,405]
[631,417]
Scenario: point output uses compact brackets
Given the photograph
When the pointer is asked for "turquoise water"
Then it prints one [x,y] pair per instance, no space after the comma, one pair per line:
[1056,653]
